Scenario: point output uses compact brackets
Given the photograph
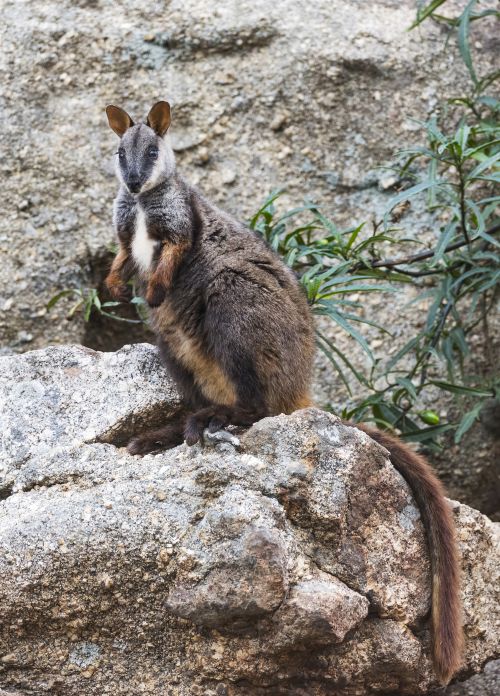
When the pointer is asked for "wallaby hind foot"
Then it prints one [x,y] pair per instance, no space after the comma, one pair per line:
[166,437]
[216,418]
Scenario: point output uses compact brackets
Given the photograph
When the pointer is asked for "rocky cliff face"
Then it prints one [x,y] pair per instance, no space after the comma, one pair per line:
[286,560]
[265,95]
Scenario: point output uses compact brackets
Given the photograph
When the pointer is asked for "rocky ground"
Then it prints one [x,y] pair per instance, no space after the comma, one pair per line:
[309,97]
[256,564]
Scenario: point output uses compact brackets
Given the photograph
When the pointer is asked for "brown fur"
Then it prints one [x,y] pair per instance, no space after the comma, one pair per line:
[190,354]
[235,332]
[168,262]
[115,281]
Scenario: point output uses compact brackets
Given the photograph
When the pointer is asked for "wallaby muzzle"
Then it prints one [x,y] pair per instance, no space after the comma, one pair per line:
[134,184]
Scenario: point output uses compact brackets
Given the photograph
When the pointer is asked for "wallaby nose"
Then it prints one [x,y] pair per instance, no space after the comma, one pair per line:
[134,184]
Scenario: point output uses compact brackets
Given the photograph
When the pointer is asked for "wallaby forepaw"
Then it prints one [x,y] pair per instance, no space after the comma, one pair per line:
[118,291]
[155,295]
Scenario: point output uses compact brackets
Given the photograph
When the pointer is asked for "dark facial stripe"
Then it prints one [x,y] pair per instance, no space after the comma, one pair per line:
[137,135]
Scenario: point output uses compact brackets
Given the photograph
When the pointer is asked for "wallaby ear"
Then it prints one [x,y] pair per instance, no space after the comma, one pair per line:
[159,118]
[118,119]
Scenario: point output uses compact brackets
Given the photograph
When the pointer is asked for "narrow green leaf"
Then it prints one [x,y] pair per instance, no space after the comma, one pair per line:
[462,137]
[485,13]
[485,164]
[267,203]
[335,364]
[444,239]
[87,310]
[344,359]
[490,102]
[122,319]
[408,386]
[426,11]
[411,345]
[75,308]
[408,193]
[471,151]
[424,434]
[435,132]
[296,211]
[467,422]
[488,80]
[463,39]
[341,321]
[460,389]
[494,178]
[64,293]
[484,235]
[354,236]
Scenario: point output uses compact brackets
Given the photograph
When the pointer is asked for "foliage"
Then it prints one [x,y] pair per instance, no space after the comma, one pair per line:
[334,264]
[88,301]
[458,170]
[462,23]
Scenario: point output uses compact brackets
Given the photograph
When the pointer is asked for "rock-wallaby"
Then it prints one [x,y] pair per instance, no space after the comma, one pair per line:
[235,332]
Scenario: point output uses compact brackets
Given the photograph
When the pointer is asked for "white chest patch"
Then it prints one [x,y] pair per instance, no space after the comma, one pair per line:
[143,246]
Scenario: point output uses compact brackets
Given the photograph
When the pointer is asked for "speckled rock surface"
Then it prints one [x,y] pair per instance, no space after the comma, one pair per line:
[290,560]
[67,396]
[265,95]
[484,684]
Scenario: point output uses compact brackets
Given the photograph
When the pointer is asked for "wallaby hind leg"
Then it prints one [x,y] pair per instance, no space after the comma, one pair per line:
[170,435]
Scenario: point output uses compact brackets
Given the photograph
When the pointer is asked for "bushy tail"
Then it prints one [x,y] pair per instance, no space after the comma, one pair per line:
[438,522]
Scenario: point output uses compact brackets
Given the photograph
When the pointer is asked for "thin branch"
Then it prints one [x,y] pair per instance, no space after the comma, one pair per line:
[420,274]
[443,316]
[463,208]
[421,256]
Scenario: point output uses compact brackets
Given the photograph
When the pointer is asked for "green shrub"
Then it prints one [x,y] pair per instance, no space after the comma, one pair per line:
[459,173]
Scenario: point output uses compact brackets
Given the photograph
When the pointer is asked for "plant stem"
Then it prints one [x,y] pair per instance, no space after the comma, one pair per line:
[463,208]
[391,263]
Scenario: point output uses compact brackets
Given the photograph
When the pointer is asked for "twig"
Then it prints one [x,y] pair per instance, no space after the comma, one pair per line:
[420,274]
[463,209]
[445,311]
[421,256]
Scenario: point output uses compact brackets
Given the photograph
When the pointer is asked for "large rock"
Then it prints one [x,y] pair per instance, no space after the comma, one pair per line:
[289,559]
[483,684]
[308,96]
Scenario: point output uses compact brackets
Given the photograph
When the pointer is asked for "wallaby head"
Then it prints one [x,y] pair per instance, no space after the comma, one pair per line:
[144,158]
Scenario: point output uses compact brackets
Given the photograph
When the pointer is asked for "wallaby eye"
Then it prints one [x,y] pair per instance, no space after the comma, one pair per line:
[153,151]
[121,153]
